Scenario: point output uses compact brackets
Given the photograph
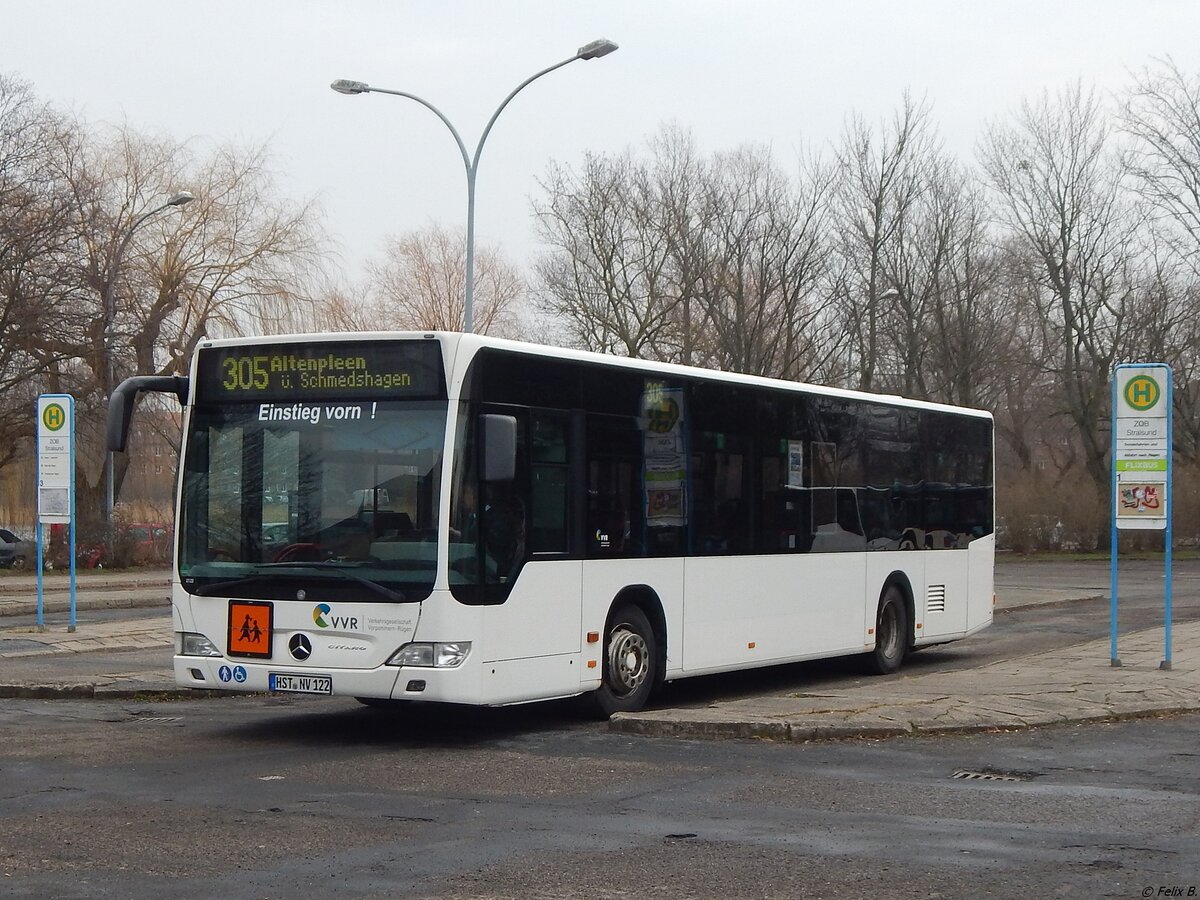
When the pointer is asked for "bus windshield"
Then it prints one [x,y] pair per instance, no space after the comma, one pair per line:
[327,496]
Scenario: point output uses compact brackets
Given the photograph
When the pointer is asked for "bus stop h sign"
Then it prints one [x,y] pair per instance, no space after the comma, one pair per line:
[1142,446]
[56,458]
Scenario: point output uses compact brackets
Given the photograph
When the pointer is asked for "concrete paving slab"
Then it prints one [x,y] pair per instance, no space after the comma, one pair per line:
[132,657]
[1039,689]
[134,589]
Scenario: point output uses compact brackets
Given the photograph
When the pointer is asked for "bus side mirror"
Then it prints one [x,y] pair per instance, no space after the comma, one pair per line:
[499,435]
[120,404]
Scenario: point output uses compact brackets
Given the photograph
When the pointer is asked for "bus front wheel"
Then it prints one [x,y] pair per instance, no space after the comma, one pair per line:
[630,663]
[891,632]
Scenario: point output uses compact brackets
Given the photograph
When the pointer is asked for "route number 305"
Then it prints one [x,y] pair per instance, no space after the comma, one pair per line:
[245,373]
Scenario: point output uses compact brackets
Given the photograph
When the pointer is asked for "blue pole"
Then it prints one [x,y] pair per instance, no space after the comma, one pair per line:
[41,618]
[1112,506]
[71,456]
[71,621]
[1170,501]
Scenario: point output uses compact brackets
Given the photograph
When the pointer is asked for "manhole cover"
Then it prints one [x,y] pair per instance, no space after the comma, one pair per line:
[992,775]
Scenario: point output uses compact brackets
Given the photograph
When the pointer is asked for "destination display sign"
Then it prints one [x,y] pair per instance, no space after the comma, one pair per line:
[391,370]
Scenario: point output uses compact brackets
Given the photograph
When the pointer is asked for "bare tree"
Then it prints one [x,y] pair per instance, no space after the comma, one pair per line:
[712,262]
[226,264]
[762,264]
[609,276]
[421,285]
[239,260]
[38,235]
[1162,112]
[1027,403]
[960,331]
[881,177]
[1184,359]
[330,307]
[1058,180]
[681,206]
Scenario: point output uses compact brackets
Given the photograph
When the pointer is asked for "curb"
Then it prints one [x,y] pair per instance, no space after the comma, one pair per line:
[770,731]
[58,604]
[61,585]
[798,732]
[90,691]
[47,691]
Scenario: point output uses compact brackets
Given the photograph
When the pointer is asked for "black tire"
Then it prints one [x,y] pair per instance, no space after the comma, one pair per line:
[630,664]
[18,563]
[891,633]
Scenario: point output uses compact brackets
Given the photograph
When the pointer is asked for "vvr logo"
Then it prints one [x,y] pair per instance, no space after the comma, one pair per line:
[321,610]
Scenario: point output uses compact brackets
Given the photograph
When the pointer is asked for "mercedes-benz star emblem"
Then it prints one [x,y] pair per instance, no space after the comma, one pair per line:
[300,646]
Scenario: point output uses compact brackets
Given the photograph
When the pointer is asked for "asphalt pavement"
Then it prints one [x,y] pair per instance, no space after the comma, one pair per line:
[122,656]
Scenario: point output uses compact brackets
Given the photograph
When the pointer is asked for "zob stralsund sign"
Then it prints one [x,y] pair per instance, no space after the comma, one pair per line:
[1142,445]
[56,458]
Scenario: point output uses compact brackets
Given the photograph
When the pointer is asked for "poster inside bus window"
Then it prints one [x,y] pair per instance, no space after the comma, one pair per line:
[664,455]
[281,372]
[795,475]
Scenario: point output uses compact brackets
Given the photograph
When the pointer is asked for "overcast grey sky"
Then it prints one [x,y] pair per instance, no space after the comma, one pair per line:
[782,73]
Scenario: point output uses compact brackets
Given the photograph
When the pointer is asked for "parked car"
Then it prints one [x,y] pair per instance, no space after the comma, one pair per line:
[151,543]
[137,544]
[16,552]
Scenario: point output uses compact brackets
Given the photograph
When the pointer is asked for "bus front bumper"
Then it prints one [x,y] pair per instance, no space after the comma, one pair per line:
[385,682]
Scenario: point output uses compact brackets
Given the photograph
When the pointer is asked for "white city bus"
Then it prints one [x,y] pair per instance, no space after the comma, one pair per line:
[448,517]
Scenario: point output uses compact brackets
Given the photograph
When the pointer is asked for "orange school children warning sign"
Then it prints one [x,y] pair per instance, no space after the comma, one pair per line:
[250,623]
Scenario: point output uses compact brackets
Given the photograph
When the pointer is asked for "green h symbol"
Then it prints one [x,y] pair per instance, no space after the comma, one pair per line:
[1141,392]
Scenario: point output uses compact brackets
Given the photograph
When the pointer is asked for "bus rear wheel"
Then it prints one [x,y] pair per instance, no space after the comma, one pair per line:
[891,632]
[630,663]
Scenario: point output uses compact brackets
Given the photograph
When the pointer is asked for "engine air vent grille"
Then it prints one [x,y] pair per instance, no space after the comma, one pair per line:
[935,599]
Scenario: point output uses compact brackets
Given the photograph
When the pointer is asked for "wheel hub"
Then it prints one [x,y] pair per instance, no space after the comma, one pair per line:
[628,660]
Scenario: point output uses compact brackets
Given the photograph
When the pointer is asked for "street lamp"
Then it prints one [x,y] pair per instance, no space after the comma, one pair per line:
[180,199]
[593,50]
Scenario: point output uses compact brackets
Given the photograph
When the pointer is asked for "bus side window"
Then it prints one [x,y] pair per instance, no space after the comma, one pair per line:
[614,493]
[721,517]
[502,521]
[784,516]
[549,484]
[487,522]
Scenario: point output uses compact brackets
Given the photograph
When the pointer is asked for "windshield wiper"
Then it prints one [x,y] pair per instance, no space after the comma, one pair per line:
[222,587]
[394,596]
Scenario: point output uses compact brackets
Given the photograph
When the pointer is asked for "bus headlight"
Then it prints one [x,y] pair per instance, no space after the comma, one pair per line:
[196,645]
[448,655]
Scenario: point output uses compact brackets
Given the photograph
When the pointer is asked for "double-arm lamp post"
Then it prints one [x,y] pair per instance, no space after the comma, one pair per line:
[114,265]
[594,50]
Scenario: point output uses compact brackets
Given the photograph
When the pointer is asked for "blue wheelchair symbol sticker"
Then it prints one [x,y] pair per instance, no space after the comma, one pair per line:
[224,673]
[239,674]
